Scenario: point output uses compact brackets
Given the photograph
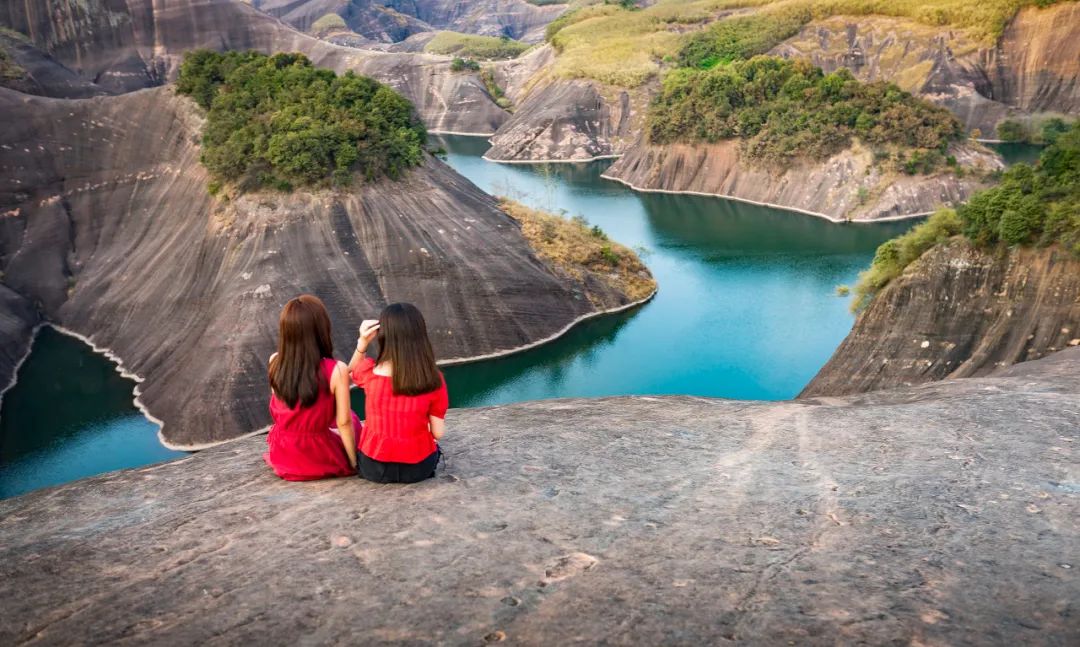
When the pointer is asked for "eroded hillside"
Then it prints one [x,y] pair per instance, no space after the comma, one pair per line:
[108,230]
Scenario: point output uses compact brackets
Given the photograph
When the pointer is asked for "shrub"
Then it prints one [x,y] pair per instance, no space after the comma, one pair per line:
[464,64]
[277,121]
[784,110]
[1012,131]
[742,37]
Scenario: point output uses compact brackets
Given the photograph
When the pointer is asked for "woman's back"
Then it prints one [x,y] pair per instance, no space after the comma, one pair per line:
[396,427]
[302,419]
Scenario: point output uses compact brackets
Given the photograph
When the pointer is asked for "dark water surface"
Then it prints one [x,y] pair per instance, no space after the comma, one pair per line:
[746,309]
[69,416]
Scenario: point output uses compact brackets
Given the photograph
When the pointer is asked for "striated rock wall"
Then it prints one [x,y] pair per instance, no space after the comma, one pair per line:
[847,186]
[938,515]
[1034,68]
[117,46]
[959,312]
[108,229]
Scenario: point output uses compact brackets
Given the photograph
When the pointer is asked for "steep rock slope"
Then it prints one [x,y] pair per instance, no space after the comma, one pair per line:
[562,120]
[937,515]
[108,229]
[394,20]
[123,45]
[1034,68]
[957,312]
[847,186]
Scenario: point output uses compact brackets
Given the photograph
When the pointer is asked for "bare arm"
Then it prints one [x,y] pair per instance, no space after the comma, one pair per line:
[368,329]
[339,387]
[437,426]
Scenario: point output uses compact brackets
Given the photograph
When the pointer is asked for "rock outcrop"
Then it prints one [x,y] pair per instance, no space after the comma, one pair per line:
[564,121]
[958,312]
[941,514]
[107,229]
[395,20]
[1034,68]
[847,186]
[116,46]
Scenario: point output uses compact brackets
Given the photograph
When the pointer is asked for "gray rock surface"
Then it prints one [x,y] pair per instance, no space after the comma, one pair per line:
[958,312]
[107,228]
[847,186]
[117,46]
[938,515]
[563,121]
[395,20]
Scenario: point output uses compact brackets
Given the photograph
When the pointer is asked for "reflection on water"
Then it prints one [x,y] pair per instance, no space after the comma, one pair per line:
[746,308]
[70,416]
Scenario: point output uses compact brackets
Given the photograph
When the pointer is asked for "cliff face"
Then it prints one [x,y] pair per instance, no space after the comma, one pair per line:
[107,228]
[116,46]
[958,312]
[656,521]
[1034,68]
[847,186]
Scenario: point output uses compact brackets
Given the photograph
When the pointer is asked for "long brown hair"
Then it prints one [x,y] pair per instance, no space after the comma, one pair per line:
[303,341]
[403,341]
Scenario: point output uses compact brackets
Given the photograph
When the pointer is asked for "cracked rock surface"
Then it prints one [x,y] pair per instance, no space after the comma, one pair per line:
[939,514]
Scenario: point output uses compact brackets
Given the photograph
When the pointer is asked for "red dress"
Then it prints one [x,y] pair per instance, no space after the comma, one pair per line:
[396,426]
[304,444]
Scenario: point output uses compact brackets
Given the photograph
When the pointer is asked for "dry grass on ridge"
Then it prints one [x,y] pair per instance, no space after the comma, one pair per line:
[573,248]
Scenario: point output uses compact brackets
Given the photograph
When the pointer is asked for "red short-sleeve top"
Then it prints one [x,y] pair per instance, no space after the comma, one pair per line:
[396,426]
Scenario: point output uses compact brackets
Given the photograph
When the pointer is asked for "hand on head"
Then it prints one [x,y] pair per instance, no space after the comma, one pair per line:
[368,329]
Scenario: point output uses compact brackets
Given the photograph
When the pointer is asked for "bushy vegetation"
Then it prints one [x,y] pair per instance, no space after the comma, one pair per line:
[329,23]
[277,121]
[626,48]
[451,43]
[464,65]
[1035,132]
[493,88]
[742,37]
[786,110]
[1037,205]
[894,255]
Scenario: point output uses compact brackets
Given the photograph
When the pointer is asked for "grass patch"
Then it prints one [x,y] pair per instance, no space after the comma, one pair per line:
[786,110]
[328,24]
[627,47]
[278,122]
[1032,205]
[573,248]
[487,75]
[450,43]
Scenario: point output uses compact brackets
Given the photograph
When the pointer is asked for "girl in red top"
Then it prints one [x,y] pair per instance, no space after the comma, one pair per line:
[309,393]
[405,398]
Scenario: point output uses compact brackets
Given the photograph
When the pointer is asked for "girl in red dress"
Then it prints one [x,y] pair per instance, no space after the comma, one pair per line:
[405,398]
[314,431]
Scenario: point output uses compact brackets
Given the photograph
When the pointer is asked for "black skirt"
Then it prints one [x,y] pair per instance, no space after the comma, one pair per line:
[382,472]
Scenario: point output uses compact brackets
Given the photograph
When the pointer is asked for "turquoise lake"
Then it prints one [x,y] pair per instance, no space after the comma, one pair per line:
[747,308]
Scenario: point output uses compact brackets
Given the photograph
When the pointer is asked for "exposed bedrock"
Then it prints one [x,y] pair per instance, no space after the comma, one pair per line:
[122,45]
[107,227]
[566,121]
[937,515]
[847,186]
[1034,68]
[395,20]
[958,312]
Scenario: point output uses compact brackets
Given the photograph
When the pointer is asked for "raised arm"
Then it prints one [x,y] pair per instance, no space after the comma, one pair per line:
[339,387]
[368,329]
